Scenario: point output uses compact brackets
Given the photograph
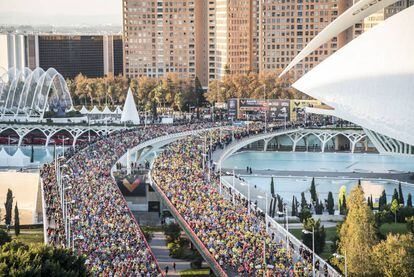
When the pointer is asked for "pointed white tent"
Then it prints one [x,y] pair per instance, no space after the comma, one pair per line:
[72,109]
[84,110]
[118,110]
[130,112]
[106,110]
[95,110]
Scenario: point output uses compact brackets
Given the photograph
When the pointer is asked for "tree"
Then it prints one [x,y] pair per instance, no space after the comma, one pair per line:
[400,194]
[9,207]
[343,208]
[304,214]
[382,201]
[395,195]
[294,206]
[303,202]
[4,237]
[330,204]
[358,235]
[314,196]
[16,220]
[410,224]
[172,231]
[319,234]
[395,255]
[370,202]
[394,208]
[272,187]
[319,207]
[342,193]
[409,200]
[19,259]
[280,203]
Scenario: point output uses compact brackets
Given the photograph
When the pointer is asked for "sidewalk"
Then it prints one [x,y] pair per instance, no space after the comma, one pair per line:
[158,246]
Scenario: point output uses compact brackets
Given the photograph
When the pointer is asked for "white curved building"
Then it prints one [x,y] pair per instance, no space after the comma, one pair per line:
[370,82]
[29,94]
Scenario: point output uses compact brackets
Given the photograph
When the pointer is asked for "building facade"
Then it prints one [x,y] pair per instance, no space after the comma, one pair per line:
[160,37]
[210,38]
[91,55]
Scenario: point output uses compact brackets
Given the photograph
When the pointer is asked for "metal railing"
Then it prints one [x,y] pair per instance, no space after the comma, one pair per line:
[286,236]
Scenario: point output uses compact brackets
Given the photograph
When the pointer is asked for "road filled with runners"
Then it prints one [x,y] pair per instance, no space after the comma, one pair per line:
[236,238]
[100,224]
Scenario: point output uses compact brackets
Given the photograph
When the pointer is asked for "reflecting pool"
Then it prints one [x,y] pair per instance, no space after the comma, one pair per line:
[316,161]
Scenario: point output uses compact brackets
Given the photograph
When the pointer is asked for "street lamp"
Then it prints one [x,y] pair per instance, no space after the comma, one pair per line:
[313,247]
[339,256]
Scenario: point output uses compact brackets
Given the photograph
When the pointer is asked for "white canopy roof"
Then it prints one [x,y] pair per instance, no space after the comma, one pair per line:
[95,110]
[130,112]
[72,109]
[84,110]
[370,80]
[118,110]
[106,110]
[18,159]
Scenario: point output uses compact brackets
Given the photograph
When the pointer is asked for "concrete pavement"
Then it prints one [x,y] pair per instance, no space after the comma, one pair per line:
[158,246]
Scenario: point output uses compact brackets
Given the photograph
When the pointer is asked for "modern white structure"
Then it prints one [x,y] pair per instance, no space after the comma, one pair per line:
[130,112]
[354,14]
[29,94]
[370,82]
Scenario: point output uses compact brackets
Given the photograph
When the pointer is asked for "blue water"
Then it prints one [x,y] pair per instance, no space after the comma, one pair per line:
[41,154]
[314,161]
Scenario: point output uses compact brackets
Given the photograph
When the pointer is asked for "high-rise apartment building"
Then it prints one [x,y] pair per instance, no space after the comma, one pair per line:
[284,27]
[165,36]
[209,38]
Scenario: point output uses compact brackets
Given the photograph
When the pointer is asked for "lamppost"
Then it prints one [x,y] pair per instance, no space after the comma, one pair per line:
[339,256]
[233,189]
[313,247]
[264,96]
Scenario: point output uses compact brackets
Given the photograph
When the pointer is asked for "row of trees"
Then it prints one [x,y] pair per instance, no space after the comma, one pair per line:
[8,205]
[19,259]
[178,93]
[366,254]
[265,85]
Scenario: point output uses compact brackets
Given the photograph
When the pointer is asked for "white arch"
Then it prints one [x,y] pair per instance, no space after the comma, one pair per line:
[354,14]
[51,87]
[29,90]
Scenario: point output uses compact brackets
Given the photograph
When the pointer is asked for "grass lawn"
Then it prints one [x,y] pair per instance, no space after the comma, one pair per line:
[330,233]
[29,236]
[395,228]
[195,272]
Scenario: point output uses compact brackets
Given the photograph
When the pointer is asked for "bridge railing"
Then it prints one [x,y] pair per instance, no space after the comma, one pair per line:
[218,270]
[286,236]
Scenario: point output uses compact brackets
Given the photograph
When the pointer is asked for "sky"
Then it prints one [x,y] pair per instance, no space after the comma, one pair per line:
[75,12]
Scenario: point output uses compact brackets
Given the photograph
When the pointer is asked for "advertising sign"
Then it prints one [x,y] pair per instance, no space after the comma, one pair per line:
[279,109]
[297,108]
[232,108]
[133,185]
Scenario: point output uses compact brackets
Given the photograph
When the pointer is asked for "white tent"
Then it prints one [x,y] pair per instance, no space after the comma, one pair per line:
[95,110]
[106,110]
[19,159]
[130,112]
[4,157]
[84,110]
[118,110]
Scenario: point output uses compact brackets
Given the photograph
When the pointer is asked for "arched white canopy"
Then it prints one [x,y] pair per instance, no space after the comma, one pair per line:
[353,15]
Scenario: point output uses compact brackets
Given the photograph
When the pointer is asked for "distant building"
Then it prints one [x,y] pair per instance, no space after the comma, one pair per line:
[91,55]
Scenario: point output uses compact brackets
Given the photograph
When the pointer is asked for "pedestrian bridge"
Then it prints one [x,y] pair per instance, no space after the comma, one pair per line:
[73,131]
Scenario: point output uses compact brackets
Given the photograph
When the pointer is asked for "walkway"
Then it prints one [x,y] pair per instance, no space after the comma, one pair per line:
[158,246]
[402,177]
